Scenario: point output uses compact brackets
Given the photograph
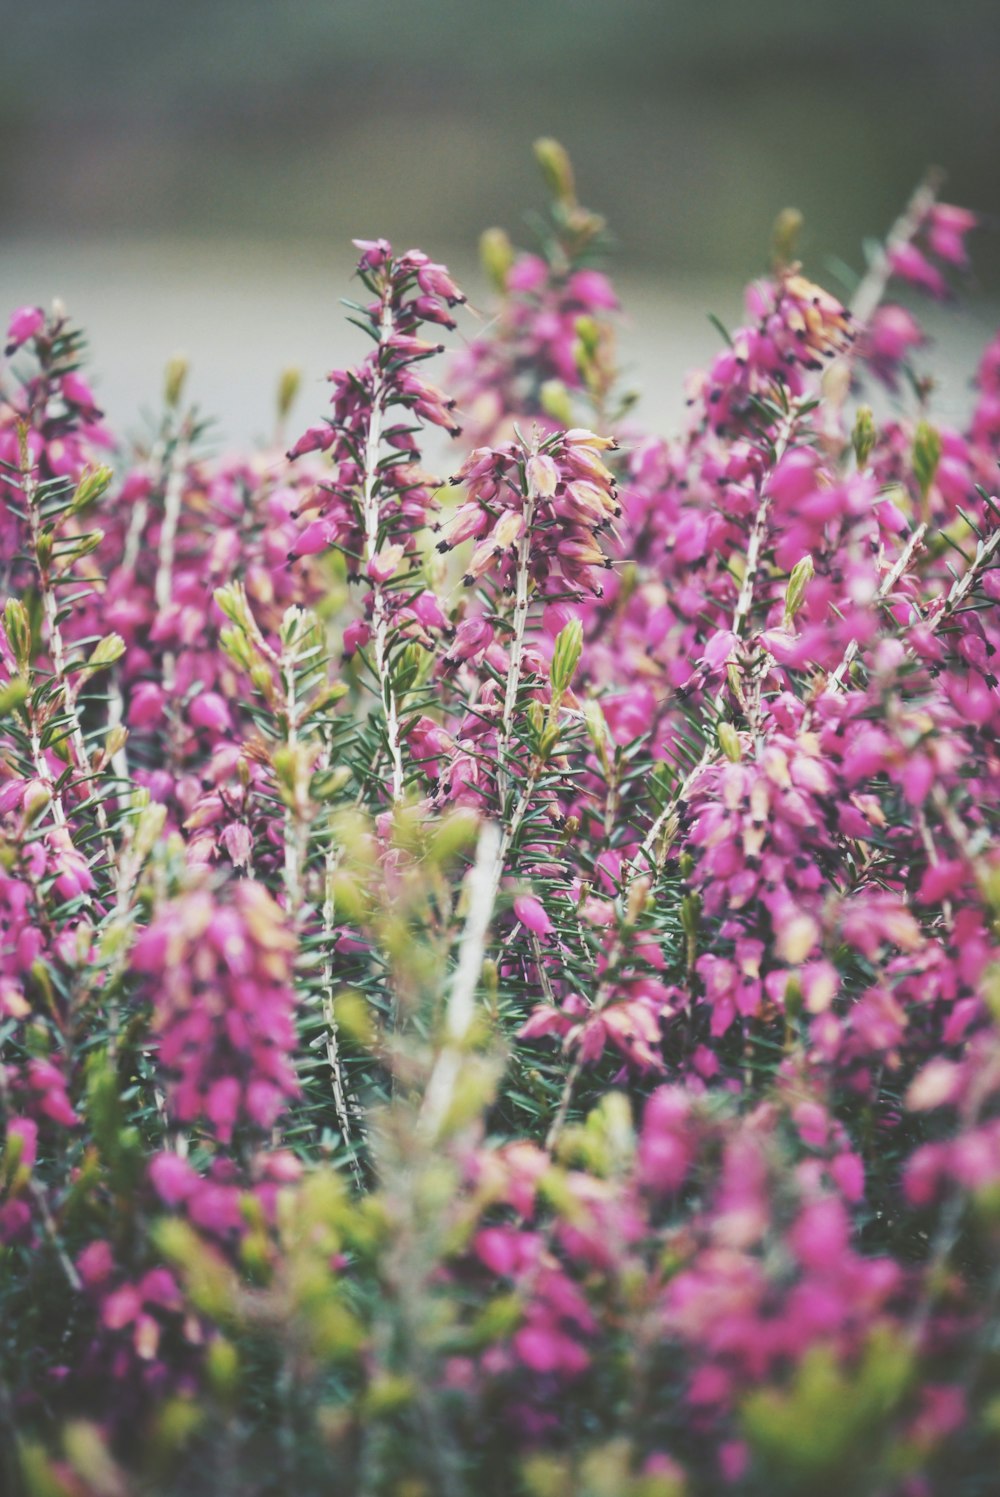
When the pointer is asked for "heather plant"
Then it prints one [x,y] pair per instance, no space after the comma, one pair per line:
[499,981]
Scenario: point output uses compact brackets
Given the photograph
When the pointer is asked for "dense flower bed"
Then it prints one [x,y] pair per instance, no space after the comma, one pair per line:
[499,982]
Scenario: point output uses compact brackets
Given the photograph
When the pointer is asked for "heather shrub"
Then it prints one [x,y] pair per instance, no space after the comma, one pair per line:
[499,981]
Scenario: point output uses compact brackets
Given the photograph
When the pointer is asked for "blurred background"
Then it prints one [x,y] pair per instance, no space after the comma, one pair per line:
[187,174]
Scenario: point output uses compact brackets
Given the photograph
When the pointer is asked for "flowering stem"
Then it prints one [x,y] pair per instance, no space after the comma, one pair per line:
[871,289]
[744,603]
[43,772]
[370,515]
[60,672]
[516,647]
[647,860]
[293,821]
[296,846]
[873,285]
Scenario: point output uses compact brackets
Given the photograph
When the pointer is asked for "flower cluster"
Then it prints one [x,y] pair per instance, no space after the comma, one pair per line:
[796,326]
[223,1006]
[539,1034]
[550,502]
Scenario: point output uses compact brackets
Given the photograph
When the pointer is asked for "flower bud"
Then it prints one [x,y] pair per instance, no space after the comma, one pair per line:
[497,255]
[81,546]
[597,729]
[801,575]
[926,456]
[106,652]
[729,742]
[864,435]
[92,486]
[553,158]
[555,401]
[784,238]
[222,1364]
[115,741]
[543,476]
[566,657]
[37,796]
[173,380]
[690,912]
[262,677]
[18,631]
[638,898]
[235,644]
[232,600]
[12,694]
[288,389]
[327,784]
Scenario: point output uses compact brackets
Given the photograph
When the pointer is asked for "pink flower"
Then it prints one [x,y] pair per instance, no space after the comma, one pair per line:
[911,265]
[146,707]
[172,1177]
[96,1263]
[24,324]
[848,1174]
[819,1238]
[947,228]
[121,1307]
[210,710]
[531,914]
[26,1130]
[544,1348]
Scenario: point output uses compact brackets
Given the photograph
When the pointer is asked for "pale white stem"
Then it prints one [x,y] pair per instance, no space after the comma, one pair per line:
[370,515]
[886,586]
[481,884]
[516,648]
[744,602]
[119,760]
[293,871]
[173,496]
[341,1102]
[44,774]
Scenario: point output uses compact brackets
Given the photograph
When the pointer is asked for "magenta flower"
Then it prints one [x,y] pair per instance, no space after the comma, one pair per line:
[25,324]
[532,915]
